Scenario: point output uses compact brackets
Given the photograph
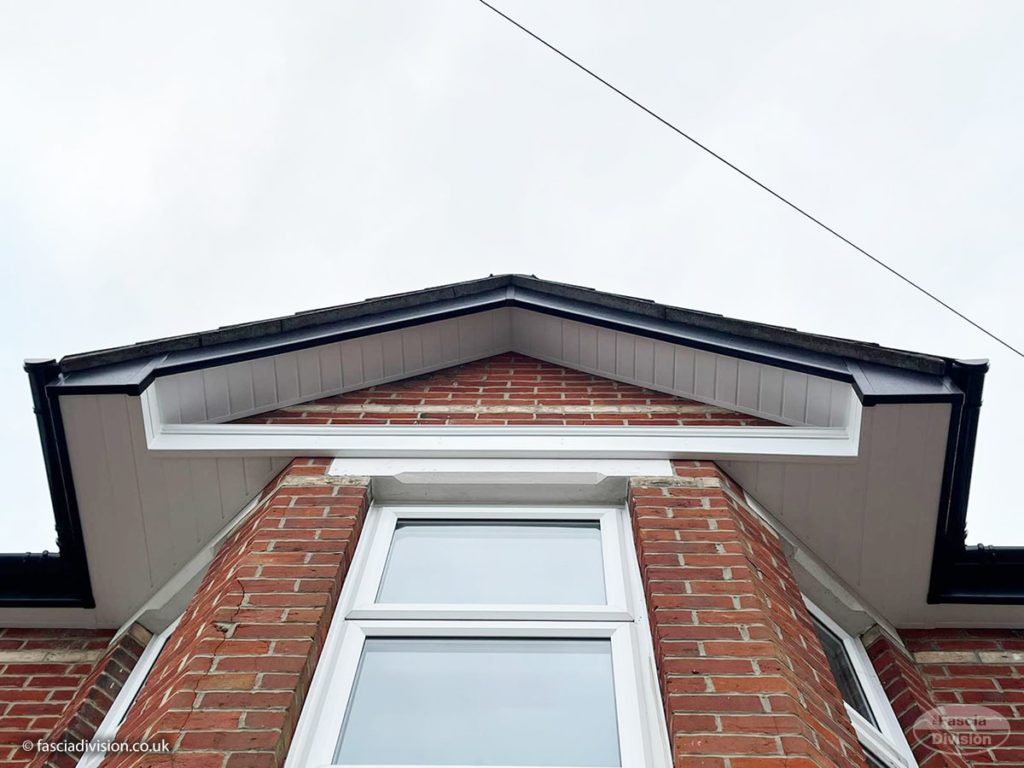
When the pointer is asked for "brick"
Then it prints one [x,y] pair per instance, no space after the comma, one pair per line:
[230,691]
[946,657]
[997,657]
[727,744]
[991,675]
[506,389]
[61,683]
[734,643]
[229,740]
[252,760]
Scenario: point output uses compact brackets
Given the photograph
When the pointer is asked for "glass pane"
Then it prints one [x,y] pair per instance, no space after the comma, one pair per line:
[495,562]
[843,672]
[493,701]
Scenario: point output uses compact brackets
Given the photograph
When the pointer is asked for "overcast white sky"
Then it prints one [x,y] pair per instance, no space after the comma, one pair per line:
[166,168]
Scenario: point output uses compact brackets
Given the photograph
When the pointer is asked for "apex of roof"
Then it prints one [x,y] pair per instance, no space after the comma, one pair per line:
[510,290]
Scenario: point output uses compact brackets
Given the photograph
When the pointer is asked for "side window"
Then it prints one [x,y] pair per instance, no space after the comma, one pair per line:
[866,703]
[108,728]
[503,636]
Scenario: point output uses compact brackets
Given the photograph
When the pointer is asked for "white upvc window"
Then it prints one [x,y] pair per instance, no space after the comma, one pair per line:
[874,721]
[488,635]
[118,712]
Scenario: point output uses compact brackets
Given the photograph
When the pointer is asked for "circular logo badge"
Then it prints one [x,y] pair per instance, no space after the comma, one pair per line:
[965,729]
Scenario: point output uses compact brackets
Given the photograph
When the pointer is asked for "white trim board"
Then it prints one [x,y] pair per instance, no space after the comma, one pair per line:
[501,442]
[474,471]
[561,481]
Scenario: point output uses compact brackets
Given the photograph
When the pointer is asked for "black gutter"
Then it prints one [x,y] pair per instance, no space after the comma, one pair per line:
[61,578]
[962,574]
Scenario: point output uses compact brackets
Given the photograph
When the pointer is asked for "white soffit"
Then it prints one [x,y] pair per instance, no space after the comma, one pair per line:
[229,392]
[788,397]
[144,516]
[185,412]
[159,475]
[872,521]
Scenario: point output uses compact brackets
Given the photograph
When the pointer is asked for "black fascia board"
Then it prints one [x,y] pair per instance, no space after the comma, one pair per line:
[872,383]
[132,377]
[60,578]
[878,375]
[423,299]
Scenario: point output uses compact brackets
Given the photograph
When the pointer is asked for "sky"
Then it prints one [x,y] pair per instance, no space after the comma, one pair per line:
[167,168]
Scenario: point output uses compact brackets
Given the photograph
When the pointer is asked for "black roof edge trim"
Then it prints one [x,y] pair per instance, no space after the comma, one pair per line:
[762,332]
[390,322]
[824,365]
[962,574]
[838,370]
[60,578]
[303,320]
[571,309]
[778,335]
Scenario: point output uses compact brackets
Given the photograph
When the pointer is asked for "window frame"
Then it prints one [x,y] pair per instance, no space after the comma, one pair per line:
[886,742]
[614,609]
[627,705]
[643,736]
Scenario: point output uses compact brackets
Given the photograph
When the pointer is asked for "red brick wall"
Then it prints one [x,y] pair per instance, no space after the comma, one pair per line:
[508,389]
[94,698]
[951,667]
[228,688]
[41,672]
[745,681]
